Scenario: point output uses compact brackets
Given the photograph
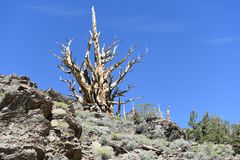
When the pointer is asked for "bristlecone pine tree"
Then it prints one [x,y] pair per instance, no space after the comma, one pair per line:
[97,87]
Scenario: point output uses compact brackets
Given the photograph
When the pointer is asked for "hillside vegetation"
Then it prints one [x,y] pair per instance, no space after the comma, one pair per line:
[39,124]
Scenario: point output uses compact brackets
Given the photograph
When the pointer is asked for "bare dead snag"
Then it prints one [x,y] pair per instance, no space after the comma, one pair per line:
[97,86]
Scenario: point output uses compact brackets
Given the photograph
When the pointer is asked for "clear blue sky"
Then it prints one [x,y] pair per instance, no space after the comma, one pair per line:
[193,61]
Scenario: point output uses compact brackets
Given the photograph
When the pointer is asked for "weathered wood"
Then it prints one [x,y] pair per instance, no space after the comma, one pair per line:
[157,151]
[96,84]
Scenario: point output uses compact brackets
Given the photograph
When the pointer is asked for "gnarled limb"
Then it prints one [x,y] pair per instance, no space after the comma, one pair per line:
[95,80]
[127,69]
[71,86]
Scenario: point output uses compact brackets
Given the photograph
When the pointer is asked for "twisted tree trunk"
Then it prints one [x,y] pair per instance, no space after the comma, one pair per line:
[96,83]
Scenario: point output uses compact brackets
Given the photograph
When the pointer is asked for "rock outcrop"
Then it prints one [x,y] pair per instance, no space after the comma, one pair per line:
[33,125]
[158,128]
[105,137]
[155,127]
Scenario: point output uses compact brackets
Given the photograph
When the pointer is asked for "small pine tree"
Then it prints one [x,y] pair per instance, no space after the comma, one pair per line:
[236,138]
[213,129]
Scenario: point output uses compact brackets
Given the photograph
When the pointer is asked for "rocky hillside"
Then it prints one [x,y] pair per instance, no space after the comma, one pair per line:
[115,138]
[33,126]
[46,125]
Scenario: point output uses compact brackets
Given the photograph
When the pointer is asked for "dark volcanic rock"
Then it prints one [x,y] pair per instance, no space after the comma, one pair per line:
[56,96]
[172,130]
[153,127]
[32,127]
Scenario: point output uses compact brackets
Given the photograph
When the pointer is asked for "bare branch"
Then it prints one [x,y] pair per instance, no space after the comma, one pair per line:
[112,46]
[110,69]
[71,86]
[55,55]
[109,53]
[87,61]
[118,93]
[64,69]
[125,102]
[127,69]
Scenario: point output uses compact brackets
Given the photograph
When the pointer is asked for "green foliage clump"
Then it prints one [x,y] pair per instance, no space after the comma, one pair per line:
[90,127]
[236,138]
[103,152]
[60,104]
[117,136]
[83,115]
[213,129]
[104,140]
[208,151]
[158,143]
[180,143]
[209,129]
[156,133]
[131,142]
[147,155]
[174,147]
[1,95]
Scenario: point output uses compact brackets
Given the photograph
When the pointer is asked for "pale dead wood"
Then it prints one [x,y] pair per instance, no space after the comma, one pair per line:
[157,151]
[97,86]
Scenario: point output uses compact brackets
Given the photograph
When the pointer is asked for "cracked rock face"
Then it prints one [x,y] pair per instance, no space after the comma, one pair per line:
[33,126]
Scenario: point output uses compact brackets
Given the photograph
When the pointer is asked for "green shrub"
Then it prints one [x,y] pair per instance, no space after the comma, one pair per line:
[103,122]
[180,143]
[82,115]
[129,143]
[132,141]
[147,155]
[189,154]
[209,129]
[156,133]
[236,138]
[1,95]
[103,152]
[116,136]
[212,151]
[159,143]
[85,138]
[91,127]
[237,157]
[104,140]
[60,104]
[213,129]
[142,139]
